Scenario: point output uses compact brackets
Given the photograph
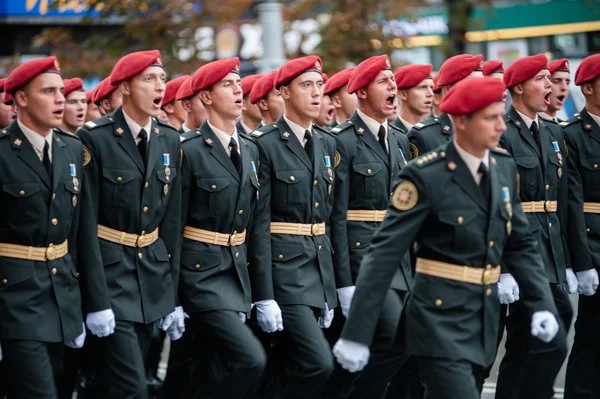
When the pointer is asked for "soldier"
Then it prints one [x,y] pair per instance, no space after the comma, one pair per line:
[326,113]
[437,130]
[194,109]
[370,155]
[337,89]
[132,163]
[251,116]
[75,105]
[437,97]
[92,111]
[493,68]
[451,318]
[175,112]
[415,89]
[267,98]
[537,148]
[560,78]
[107,97]
[582,134]
[296,189]
[42,183]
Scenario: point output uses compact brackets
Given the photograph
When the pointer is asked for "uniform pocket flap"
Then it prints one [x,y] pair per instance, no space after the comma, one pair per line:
[118,176]
[212,184]
[200,260]
[13,271]
[592,223]
[553,158]
[457,218]
[160,252]
[285,252]
[367,168]
[527,162]
[162,175]
[110,256]
[69,186]
[22,190]
[590,163]
[290,176]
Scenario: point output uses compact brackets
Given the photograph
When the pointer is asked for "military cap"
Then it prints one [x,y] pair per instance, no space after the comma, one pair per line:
[209,74]
[436,86]
[89,95]
[248,83]
[524,68]
[133,64]
[185,90]
[338,80]
[296,67]
[411,75]
[588,69]
[172,87]
[561,65]
[103,90]
[71,85]
[471,95]
[459,67]
[492,66]
[28,71]
[366,71]
[262,87]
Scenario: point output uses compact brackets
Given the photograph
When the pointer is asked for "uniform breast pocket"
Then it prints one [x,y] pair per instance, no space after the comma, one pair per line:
[164,180]
[211,196]
[71,195]
[288,188]
[22,201]
[529,173]
[590,173]
[365,179]
[553,168]
[118,187]
[463,226]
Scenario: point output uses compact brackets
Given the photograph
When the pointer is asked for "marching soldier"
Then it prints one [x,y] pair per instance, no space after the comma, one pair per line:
[337,89]
[493,68]
[175,112]
[194,109]
[42,181]
[415,89]
[132,162]
[92,111]
[451,318]
[7,114]
[296,176]
[267,98]
[437,130]
[582,134]
[560,78]
[251,116]
[75,105]
[326,113]
[538,150]
[107,97]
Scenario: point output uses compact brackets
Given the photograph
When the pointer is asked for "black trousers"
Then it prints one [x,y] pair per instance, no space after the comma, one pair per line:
[120,358]
[301,360]
[234,360]
[530,366]
[583,368]
[450,379]
[29,369]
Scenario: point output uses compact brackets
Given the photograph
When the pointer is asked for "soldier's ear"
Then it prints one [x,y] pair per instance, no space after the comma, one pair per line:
[205,97]
[187,106]
[124,88]
[169,108]
[335,100]
[518,89]
[263,105]
[20,98]
[587,89]
[403,94]
[285,92]
[362,93]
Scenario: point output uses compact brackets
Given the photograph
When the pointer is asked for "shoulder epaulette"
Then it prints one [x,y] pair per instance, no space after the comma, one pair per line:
[190,135]
[427,122]
[4,133]
[395,128]
[164,123]
[271,127]
[429,158]
[102,121]
[500,150]
[576,118]
[65,133]
[320,130]
[342,126]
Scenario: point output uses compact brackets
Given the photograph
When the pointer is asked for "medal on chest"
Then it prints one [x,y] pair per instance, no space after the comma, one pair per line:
[256,177]
[507,202]
[402,156]
[167,163]
[557,151]
[327,161]
[73,172]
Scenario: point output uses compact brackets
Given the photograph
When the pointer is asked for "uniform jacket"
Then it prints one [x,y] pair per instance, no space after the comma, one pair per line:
[429,134]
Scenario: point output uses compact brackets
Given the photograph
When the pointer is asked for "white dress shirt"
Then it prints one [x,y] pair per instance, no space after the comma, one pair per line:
[528,121]
[135,128]
[374,126]
[298,130]
[596,118]
[473,162]
[405,123]
[37,140]
[225,139]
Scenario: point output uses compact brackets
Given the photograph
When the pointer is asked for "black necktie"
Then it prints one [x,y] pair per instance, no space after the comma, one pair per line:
[236,159]
[535,131]
[143,145]
[484,183]
[46,160]
[308,147]
[381,136]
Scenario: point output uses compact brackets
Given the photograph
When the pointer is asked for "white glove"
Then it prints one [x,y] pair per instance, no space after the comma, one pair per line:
[101,323]
[79,341]
[269,315]
[508,289]
[165,322]
[588,282]
[569,286]
[326,317]
[544,325]
[352,356]
[345,294]
[242,317]
[177,327]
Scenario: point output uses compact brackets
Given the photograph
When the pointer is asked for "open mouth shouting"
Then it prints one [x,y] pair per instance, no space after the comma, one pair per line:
[157,102]
[390,101]
[547,97]
[58,113]
[561,99]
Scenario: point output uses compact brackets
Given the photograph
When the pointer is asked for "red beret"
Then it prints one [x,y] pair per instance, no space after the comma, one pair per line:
[491,66]
[28,71]
[103,90]
[172,87]
[588,69]
[459,67]
[471,95]
[134,64]
[524,68]
[2,80]
[325,77]
[209,74]
[248,83]
[366,71]
[89,95]
[558,65]
[338,80]
[8,99]
[185,90]
[296,67]
[71,85]
[436,87]
[411,75]
[262,87]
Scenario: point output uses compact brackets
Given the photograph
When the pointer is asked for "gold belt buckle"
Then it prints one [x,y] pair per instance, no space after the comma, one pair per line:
[141,240]
[51,252]
[548,206]
[487,277]
[232,239]
[315,229]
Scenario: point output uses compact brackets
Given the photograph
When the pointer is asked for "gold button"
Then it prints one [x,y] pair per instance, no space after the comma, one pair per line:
[587,230]
[54,271]
[214,187]
[549,225]
[595,166]
[547,187]
[53,195]
[316,204]
[54,221]
[169,256]
[315,183]
[292,178]
[280,256]
[22,192]
[357,244]
[5,281]
[119,178]
[145,209]
[240,211]
[491,244]
[140,255]
[237,255]
[319,247]
[460,220]
[488,292]
[369,171]
[438,302]
[146,185]
[197,266]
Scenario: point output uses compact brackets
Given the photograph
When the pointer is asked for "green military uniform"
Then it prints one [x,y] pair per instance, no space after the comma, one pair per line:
[549,120]
[40,298]
[543,178]
[582,135]
[450,321]
[365,177]
[293,190]
[429,134]
[398,124]
[133,198]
